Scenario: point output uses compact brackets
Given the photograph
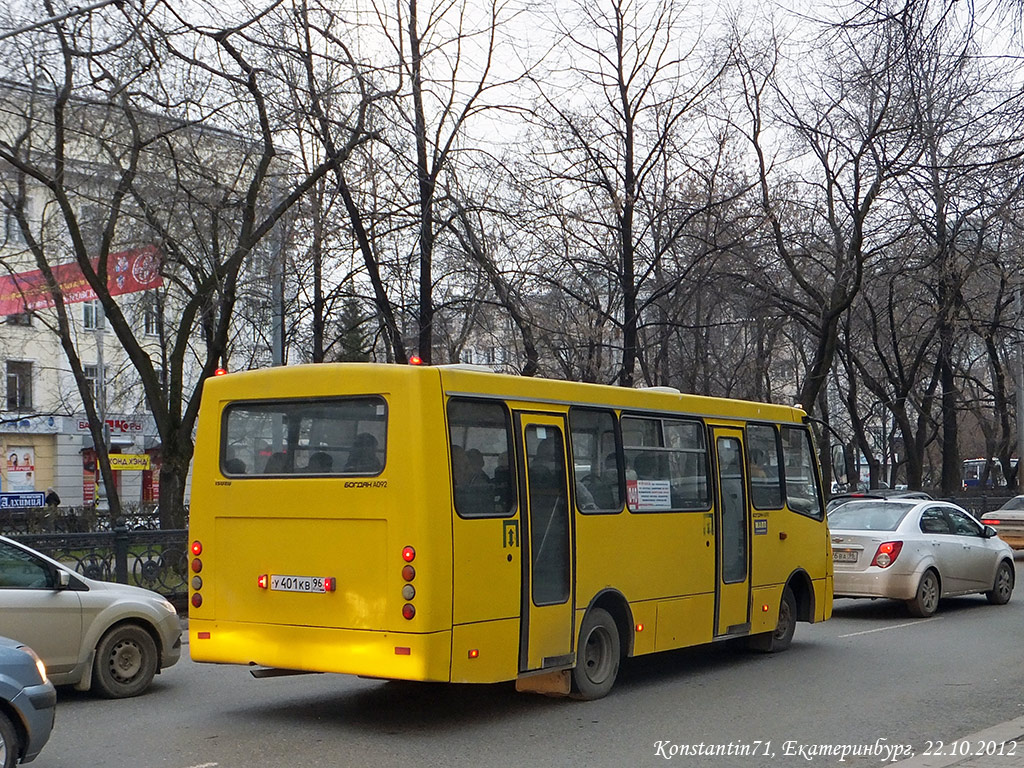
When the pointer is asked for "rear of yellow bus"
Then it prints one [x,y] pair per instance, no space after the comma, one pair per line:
[310,546]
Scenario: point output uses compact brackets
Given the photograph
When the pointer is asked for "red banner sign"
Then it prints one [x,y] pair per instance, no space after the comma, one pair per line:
[129,271]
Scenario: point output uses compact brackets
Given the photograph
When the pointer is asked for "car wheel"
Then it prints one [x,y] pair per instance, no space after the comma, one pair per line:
[10,746]
[780,638]
[1003,586]
[125,662]
[597,656]
[926,602]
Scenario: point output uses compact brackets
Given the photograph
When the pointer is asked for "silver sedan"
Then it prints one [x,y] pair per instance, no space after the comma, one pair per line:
[917,551]
[1008,521]
[111,638]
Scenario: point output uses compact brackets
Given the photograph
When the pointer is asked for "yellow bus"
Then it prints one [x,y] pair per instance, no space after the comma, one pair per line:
[450,524]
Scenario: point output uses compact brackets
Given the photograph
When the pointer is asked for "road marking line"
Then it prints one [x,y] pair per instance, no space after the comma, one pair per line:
[205,765]
[894,626]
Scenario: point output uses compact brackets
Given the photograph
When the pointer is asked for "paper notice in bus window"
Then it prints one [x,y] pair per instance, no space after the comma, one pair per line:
[649,495]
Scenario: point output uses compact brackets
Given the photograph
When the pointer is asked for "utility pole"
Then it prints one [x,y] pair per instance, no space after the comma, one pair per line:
[1019,376]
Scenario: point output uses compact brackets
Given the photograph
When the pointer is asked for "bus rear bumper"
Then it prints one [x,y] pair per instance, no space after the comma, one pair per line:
[388,655]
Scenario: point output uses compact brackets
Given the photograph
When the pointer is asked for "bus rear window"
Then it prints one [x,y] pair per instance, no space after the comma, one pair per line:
[304,437]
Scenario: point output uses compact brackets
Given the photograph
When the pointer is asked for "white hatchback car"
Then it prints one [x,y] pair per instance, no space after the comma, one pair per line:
[917,551]
[90,634]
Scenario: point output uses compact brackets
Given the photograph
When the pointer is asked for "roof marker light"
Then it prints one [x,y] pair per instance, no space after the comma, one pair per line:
[415,360]
[220,372]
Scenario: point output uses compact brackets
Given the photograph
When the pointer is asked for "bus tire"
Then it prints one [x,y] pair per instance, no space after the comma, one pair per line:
[597,656]
[779,638]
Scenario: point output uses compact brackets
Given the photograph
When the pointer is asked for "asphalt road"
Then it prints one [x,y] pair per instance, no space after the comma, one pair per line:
[870,676]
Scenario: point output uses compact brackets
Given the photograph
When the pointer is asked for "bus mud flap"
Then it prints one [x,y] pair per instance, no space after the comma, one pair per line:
[557,683]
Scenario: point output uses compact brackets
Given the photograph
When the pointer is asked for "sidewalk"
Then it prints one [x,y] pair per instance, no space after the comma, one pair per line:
[1001,746]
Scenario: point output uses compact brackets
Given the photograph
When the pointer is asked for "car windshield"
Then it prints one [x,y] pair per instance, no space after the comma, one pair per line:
[868,516]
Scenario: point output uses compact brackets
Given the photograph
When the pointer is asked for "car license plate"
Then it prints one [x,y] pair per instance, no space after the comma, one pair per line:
[844,556]
[314,584]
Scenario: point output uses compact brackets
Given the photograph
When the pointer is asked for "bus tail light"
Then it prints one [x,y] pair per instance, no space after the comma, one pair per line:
[263,581]
[887,553]
[408,590]
[196,548]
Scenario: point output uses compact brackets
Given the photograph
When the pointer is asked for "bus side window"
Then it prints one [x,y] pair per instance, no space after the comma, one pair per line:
[597,471]
[801,475]
[480,443]
[763,467]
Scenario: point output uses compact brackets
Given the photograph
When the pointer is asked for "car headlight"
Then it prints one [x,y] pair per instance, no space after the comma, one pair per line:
[39,662]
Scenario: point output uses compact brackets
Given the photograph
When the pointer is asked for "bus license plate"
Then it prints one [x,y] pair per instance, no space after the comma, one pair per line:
[844,556]
[314,584]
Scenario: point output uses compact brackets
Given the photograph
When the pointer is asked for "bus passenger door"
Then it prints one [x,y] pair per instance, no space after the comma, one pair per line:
[547,617]
[732,521]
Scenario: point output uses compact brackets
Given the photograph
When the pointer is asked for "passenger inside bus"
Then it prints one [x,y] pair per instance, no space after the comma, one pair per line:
[604,486]
[320,462]
[277,464]
[474,492]
[363,455]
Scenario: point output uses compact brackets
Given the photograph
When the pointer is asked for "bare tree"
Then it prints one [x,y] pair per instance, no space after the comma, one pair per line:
[177,129]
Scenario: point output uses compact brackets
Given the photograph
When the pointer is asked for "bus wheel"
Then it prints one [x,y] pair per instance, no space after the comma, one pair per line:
[597,656]
[780,638]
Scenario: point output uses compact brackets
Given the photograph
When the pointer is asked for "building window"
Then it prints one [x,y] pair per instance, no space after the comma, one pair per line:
[92,315]
[22,318]
[150,316]
[92,373]
[19,386]
[159,371]
[12,230]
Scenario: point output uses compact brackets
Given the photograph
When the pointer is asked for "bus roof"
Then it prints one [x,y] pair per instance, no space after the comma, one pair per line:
[323,379]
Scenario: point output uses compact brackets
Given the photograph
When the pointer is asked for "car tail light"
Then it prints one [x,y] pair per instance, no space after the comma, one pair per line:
[887,553]
[990,521]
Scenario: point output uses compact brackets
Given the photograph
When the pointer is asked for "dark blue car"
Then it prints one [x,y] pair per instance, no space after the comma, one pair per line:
[28,703]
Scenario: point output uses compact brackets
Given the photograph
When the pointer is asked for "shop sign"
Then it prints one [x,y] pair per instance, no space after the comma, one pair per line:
[21,500]
[129,461]
[119,425]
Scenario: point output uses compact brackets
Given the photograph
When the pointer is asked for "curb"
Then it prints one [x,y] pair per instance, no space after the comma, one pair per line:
[1010,731]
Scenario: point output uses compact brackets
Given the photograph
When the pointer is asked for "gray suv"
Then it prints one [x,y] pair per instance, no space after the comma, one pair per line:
[111,638]
[28,702]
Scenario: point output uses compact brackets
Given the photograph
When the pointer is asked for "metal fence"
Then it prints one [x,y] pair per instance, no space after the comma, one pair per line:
[133,549]
[130,550]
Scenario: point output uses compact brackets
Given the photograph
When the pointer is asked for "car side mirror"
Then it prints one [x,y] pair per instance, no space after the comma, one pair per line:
[988,532]
[63,579]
